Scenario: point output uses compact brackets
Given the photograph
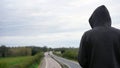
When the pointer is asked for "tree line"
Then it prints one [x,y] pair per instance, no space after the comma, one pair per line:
[20,51]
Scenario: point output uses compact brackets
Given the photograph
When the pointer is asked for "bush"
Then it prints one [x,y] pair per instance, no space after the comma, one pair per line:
[30,61]
[69,53]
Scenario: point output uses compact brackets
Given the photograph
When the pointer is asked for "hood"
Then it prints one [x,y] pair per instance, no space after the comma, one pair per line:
[100,17]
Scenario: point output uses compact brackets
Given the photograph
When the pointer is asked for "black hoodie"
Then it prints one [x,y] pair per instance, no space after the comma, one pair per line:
[100,46]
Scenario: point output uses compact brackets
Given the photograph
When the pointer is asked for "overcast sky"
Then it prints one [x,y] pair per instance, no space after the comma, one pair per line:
[54,23]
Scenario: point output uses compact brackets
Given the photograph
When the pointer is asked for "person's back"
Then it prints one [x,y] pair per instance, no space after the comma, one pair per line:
[100,46]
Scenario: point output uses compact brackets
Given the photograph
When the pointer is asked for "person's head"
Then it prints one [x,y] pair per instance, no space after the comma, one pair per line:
[100,17]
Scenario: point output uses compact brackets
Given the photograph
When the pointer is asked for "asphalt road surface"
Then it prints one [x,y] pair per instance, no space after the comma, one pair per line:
[49,62]
[69,63]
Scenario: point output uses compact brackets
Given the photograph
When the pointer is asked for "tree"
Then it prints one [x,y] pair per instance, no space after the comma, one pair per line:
[3,50]
[45,48]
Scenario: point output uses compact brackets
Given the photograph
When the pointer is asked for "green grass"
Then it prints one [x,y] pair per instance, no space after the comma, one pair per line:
[34,65]
[21,62]
[15,60]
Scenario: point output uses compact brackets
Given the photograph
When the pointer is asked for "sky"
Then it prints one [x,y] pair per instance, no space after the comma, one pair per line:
[51,23]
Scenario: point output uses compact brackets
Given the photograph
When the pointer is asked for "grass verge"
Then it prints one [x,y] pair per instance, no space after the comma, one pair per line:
[21,62]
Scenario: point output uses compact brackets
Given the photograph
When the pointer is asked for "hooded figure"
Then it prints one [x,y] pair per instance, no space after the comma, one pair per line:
[100,46]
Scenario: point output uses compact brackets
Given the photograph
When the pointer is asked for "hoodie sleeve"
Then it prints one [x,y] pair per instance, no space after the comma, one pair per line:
[82,55]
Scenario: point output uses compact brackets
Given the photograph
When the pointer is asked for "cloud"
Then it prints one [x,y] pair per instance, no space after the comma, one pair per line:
[52,22]
[50,40]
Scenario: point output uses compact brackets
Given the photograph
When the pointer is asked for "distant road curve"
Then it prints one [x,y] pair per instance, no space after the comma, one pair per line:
[69,63]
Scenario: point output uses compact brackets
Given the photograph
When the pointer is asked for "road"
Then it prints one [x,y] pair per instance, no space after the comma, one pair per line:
[69,63]
[49,62]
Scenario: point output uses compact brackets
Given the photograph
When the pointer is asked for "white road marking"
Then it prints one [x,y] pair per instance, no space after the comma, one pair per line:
[46,63]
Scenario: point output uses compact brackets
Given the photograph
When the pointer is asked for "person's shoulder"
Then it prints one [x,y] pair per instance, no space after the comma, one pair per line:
[115,29]
[88,32]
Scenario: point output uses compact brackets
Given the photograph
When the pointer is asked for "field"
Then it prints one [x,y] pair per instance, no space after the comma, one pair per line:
[21,62]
